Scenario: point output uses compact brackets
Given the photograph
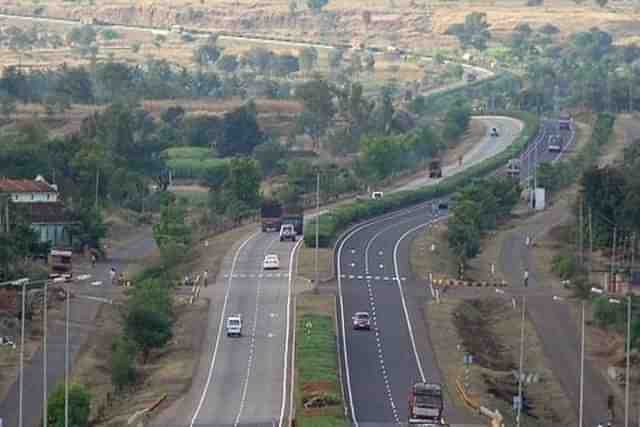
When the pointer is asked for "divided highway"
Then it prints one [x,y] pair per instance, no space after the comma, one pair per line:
[372,265]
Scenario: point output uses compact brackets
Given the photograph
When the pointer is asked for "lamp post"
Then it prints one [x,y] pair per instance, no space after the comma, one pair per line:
[519,409]
[317,231]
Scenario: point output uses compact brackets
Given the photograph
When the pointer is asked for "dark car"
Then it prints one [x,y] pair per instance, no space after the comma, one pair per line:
[361,320]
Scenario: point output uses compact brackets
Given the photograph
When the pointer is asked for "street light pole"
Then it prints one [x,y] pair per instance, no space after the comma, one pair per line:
[44,357]
[581,409]
[22,315]
[66,361]
[626,386]
[317,230]
[524,308]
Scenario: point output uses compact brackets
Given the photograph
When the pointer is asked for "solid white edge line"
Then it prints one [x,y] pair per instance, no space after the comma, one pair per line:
[220,328]
[286,341]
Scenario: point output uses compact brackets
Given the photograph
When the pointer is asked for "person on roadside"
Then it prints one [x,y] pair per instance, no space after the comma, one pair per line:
[93,260]
[205,278]
[526,278]
[112,275]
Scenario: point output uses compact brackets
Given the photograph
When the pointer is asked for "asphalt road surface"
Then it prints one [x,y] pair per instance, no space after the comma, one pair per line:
[372,264]
[88,296]
[242,381]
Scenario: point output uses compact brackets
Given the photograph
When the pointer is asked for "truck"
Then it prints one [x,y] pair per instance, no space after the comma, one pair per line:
[435,168]
[564,122]
[60,263]
[426,404]
[271,215]
[294,214]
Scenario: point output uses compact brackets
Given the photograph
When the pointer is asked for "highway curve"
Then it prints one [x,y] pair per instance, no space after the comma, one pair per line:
[372,265]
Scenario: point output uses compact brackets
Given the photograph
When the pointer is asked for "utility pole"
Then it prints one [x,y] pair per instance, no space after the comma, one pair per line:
[519,411]
[66,361]
[317,279]
[580,231]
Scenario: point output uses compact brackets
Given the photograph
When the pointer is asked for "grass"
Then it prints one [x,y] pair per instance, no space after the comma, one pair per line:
[193,167]
[186,152]
[317,371]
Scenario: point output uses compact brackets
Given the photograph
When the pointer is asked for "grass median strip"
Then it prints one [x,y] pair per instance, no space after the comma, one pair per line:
[318,396]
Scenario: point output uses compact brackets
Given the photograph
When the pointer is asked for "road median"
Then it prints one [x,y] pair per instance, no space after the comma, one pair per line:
[318,398]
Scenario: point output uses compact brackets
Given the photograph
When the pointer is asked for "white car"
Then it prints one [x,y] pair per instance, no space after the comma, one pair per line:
[377,195]
[234,325]
[287,232]
[271,262]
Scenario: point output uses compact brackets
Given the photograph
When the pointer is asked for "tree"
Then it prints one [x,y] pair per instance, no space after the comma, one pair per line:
[83,36]
[317,97]
[206,55]
[259,59]
[8,106]
[240,131]
[172,233]
[243,181]
[549,29]
[158,40]
[382,156]
[316,5]
[308,58]
[228,63]
[473,33]
[602,3]
[283,65]
[271,156]
[123,372]
[173,116]
[115,79]
[335,58]
[79,406]
[147,317]
[216,176]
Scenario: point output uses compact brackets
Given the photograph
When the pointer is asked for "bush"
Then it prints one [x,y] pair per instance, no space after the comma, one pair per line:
[340,218]
[564,266]
[123,354]
[79,406]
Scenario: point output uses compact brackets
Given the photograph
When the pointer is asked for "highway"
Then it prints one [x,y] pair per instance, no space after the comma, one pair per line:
[243,380]
[374,275]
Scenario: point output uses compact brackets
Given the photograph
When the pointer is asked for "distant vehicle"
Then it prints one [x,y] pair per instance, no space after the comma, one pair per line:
[435,168]
[443,206]
[361,320]
[60,263]
[425,404]
[287,232]
[178,29]
[494,132]
[234,325]
[555,144]
[513,168]
[271,262]
[564,122]
[471,77]
[377,195]
[271,215]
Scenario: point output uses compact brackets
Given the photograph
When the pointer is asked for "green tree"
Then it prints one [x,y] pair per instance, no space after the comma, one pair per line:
[228,63]
[243,181]
[172,233]
[334,58]
[308,58]
[316,5]
[79,406]
[271,157]
[123,371]
[259,59]
[317,97]
[382,156]
[206,55]
[240,131]
[147,317]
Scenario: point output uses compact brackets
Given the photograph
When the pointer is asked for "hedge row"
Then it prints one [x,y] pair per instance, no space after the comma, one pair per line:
[338,219]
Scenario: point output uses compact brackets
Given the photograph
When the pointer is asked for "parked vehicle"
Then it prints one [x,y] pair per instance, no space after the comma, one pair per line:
[271,215]
[234,325]
[435,168]
[287,232]
[426,404]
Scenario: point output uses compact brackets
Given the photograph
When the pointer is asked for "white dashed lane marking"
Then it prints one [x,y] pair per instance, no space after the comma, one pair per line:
[369,278]
[257,275]
[380,351]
